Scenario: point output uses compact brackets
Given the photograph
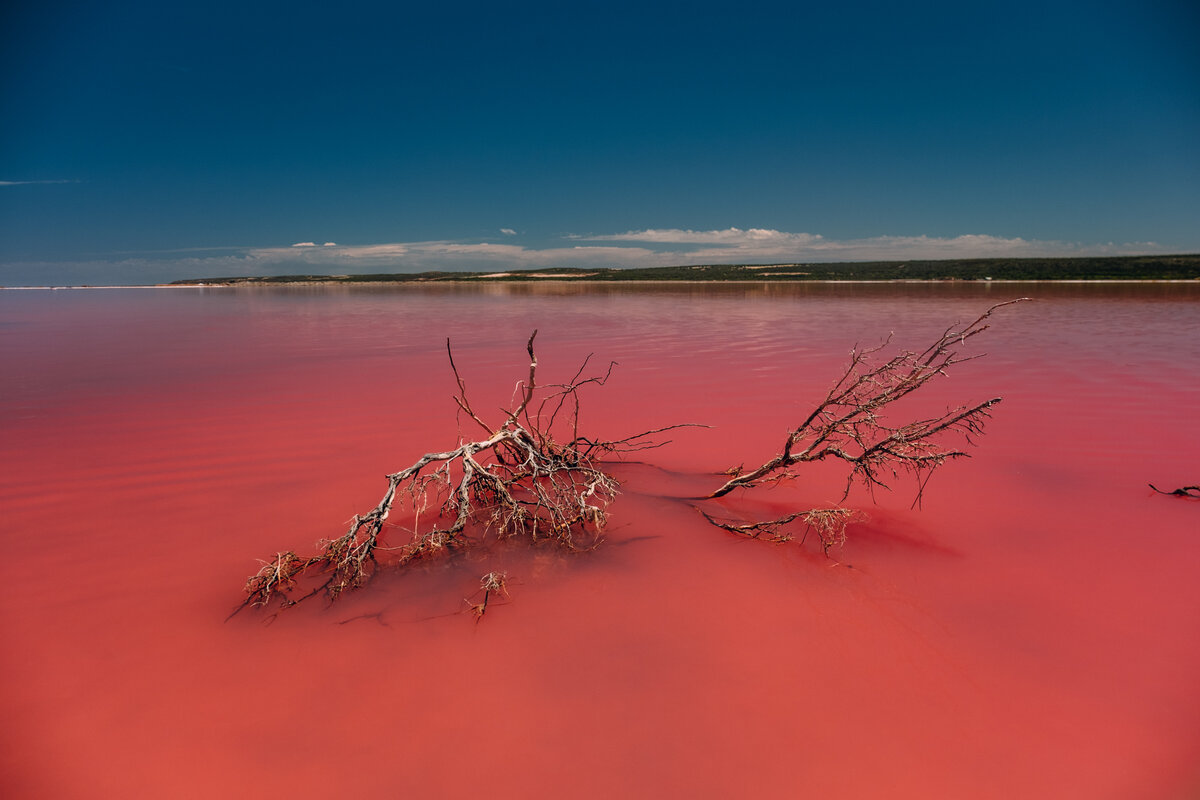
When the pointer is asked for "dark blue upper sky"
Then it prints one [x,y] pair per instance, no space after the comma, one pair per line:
[141,141]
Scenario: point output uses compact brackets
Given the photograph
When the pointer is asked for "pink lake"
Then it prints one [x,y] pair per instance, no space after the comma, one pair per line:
[1032,631]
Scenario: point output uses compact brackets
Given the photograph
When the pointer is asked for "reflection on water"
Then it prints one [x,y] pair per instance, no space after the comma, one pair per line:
[1027,633]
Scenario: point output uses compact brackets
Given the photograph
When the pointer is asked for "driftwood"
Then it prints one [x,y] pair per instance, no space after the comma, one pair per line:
[1183,491]
[849,425]
[518,480]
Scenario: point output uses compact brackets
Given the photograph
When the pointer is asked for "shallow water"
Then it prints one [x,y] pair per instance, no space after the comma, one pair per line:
[1030,631]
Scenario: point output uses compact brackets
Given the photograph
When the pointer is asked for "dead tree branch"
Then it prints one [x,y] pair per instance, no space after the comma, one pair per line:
[828,523]
[1183,491]
[849,425]
[490,585]
[522,479]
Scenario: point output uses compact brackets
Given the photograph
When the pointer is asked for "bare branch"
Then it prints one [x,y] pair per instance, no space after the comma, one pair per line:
[848,425]
[523,479]
[1183,491]
[828,523]
[492,584]
[461,398]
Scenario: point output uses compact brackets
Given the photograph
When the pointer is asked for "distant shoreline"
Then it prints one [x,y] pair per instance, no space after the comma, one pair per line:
[318,283]
[1114,269]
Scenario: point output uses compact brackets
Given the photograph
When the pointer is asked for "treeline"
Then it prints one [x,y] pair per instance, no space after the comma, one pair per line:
[1174,267]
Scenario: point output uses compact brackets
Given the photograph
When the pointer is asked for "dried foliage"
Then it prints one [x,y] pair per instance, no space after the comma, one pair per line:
[850,425]
[532,476]
[829,524]
[491,585]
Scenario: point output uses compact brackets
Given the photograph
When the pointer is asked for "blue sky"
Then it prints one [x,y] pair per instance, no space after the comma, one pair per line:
[144,141]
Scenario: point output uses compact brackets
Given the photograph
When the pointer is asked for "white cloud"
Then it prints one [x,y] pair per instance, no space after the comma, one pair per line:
[508,231]
[330,244]
[759,245]
[29,183]
[449,255]
[729,236]
[305,244]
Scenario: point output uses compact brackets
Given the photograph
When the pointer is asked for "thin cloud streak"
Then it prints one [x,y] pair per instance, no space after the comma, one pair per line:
[32,183]
[729,236]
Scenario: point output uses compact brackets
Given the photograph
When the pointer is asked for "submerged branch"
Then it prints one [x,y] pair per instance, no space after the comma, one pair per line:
[1183,491]
[523,480]
[848,425]
[535,477]
[828,523]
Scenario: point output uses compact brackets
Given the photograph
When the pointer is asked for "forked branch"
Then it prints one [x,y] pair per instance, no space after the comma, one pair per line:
[829,524]
[523,479]
[1182,491]
[849,424]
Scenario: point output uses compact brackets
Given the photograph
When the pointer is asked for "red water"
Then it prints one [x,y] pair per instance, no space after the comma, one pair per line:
[1031,632]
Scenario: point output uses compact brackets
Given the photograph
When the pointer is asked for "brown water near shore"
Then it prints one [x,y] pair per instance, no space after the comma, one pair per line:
[1030,632]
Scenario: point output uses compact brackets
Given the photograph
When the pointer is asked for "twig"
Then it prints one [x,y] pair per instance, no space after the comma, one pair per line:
[1183,491]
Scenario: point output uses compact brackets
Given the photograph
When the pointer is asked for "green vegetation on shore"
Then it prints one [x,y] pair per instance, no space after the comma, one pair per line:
[1175,267]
